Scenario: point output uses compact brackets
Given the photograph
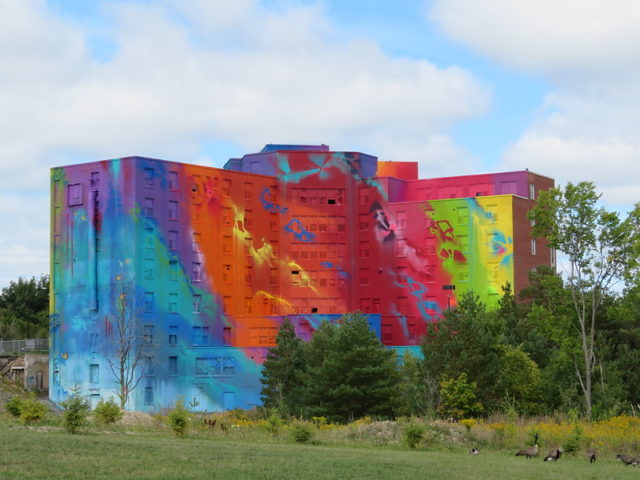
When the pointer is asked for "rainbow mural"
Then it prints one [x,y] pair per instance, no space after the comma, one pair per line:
[210,262]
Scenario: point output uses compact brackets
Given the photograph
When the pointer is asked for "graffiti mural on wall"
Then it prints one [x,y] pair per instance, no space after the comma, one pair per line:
[217,258]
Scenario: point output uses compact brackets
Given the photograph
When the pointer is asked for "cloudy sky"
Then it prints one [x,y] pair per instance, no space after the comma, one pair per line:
[461,86]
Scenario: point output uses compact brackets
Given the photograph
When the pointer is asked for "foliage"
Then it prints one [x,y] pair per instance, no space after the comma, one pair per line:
[413,388]
[466,340]
[413,435]
[107,411]
[572,443]
[282,372]
[179,419]
[301,433]
[24,309]
[350,372]
[520,378]
[273,424]
[600,248]
[33,411]
[76,411]
[458,398]
[14,406]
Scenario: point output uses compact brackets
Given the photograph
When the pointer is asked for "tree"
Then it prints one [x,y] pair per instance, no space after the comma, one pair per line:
[24,309]
[351,373]
[467,341]
[599,248]
[282,372]
[125,362]
[458,398]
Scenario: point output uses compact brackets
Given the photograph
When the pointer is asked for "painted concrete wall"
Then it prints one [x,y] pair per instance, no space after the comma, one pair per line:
[211,261]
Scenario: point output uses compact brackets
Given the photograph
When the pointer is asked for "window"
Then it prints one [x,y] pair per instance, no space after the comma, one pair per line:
[94,373]
[248,214]
[226,304]
[248,275]
[226,273]
[148,268]
[363,195]
[148,207]
[402,220]
[200,336]
[248,305]
[364,249]
[226,245]
[147,363]
[532,191]
[173,270]
[148,301]
[148,177]
[401,248]
[196,241]
[148,396]
[196,303]
[94,180]
[215,366]
[173,335]
[196,272]
[173,366]
[148,335]
[173,302]
[74,194]
[364,277]
[273,277]
[173,181]
[364,222]
[173,240]
[462,215]
[533,246]
[93,341]
[376,306]
[173,210]
[226,187]
[226,335]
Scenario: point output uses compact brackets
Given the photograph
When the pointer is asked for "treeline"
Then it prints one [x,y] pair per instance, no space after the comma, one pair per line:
[519,359]
[24,309]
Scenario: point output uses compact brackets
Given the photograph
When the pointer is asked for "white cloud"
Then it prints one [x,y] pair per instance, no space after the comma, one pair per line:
[186,72]
[587,50]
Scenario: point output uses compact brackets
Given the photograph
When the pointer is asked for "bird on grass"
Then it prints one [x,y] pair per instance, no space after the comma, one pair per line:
[530,451]
[474,451]
[628,459]
[553,455]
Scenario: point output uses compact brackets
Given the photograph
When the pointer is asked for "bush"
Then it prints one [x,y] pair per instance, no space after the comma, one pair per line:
[179,419]
[301,433]
[274,422]
[76,411]
[32,411]
[458,398]
[14,406]
[572,444]
[413,435]
[107,412]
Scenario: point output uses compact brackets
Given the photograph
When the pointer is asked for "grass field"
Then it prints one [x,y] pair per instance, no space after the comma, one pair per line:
[38,454]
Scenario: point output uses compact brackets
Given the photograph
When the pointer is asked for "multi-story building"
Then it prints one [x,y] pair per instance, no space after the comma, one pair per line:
[207,262]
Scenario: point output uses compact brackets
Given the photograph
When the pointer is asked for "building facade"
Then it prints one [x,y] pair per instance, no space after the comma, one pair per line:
[208,262]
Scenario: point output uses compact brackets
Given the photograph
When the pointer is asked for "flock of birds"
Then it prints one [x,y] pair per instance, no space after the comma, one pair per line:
[555,454]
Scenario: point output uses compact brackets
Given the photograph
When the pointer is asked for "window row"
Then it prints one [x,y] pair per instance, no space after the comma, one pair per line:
[318,305]
[317,196]
[317,250]
[321,278]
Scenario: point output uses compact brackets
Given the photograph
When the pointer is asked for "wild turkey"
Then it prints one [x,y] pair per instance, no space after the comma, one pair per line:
[627,459]
[553,455]
[474,451]
[530,451]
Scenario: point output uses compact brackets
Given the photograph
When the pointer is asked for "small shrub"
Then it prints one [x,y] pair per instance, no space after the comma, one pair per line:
[14,406]
[107,412]
[413,435]
[273,424]
[179,419]
[301,433]
[32,411]
[572,444]
[76,411]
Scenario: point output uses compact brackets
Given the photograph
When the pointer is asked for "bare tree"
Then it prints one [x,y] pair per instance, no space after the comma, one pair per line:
[126,360]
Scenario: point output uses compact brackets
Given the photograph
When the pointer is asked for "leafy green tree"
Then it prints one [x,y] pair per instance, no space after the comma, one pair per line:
[413,387]
[466,341]
[458,398]
[351,373]
[24,309]
[283,371]
[600,249]
[520,379]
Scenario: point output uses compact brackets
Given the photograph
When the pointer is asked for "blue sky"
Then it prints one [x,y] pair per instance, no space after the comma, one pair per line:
[459,86]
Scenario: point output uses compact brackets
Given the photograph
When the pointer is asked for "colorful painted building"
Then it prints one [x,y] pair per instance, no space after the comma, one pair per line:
[210,261]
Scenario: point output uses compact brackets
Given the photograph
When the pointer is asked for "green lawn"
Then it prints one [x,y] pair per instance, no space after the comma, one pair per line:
[26,454]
